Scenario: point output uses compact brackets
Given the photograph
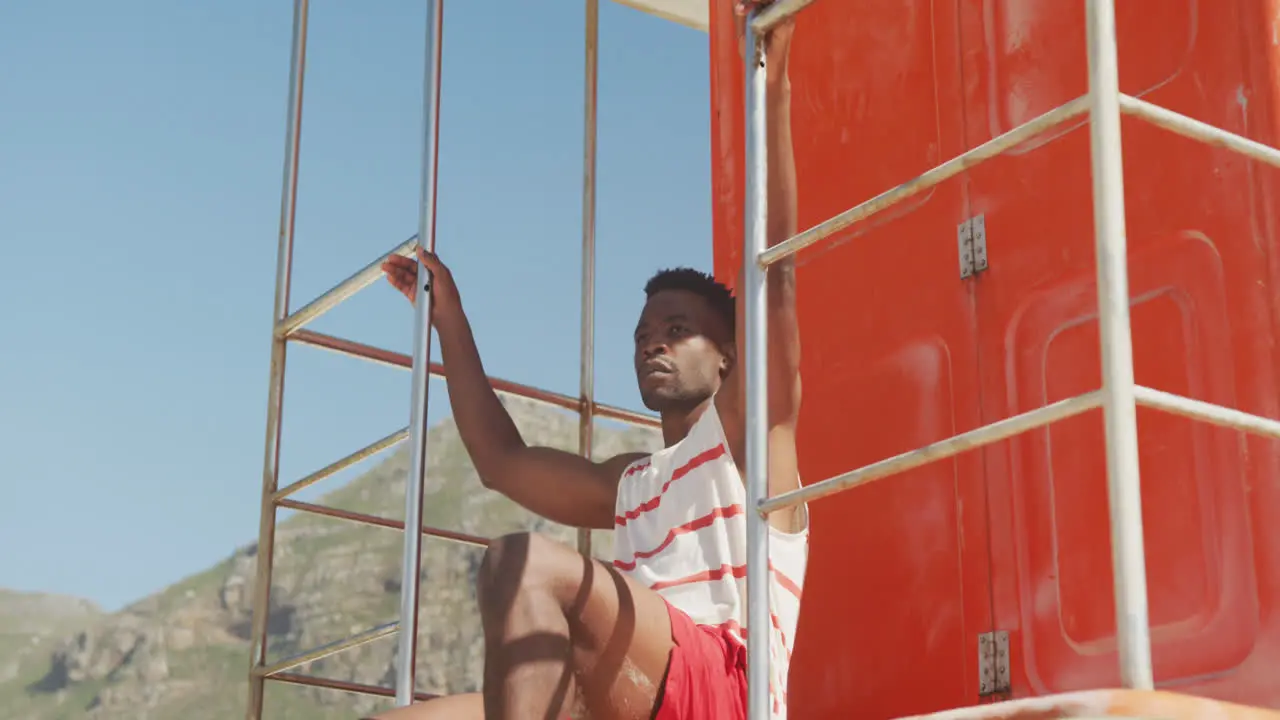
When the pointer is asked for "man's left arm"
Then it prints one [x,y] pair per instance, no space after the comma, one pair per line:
[784,334]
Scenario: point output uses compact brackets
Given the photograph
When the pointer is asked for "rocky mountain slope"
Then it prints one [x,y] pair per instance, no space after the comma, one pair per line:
[183,652]
[30,621]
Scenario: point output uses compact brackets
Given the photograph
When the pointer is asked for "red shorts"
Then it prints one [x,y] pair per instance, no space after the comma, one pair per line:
[707,676]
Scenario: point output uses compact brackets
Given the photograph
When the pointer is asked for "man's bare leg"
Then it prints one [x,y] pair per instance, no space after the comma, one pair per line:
[563,635]
[560,627]
[455,707]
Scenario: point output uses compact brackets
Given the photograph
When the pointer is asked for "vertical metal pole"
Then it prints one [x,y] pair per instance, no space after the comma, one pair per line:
[411,560]
[754,291]
[1124,492]
[587,373]
[275,392]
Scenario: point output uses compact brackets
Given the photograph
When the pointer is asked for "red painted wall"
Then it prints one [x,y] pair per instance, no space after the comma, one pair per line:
[900,351]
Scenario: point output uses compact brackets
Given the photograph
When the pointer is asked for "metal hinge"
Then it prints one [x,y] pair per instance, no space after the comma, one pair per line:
[972,237]
[993,663]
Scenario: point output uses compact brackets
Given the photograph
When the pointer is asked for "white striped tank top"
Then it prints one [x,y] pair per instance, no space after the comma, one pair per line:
[680,529]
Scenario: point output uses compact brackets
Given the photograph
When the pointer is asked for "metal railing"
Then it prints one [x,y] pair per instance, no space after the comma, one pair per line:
[1118,397]
[290,328]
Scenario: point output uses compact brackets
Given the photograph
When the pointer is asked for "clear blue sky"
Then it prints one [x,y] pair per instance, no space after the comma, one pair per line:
[141,147]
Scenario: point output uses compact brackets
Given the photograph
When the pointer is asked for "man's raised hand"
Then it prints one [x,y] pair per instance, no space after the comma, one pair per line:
[777,42]
[402,273]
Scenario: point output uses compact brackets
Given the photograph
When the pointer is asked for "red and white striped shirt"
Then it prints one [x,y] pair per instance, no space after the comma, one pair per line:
[680,529]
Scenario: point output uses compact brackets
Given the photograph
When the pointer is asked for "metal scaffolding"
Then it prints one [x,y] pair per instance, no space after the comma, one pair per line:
[1118,396]
[290,328]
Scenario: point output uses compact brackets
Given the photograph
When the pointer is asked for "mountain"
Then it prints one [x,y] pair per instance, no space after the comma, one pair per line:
[183,652]
[28,622]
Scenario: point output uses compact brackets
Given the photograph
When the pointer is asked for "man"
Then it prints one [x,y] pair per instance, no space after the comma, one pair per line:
[659,634]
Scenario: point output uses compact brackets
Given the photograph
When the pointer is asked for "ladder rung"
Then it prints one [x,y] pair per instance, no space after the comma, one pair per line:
[362,279]
[928,179]
[985,435]
[351,687]
[336,466]
[366,519]
[403,361]
[1208,412]
[1197,130]
[333,648]
[360,350]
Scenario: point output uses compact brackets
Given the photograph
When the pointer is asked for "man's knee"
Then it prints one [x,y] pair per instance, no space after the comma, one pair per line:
[521,562]
[510,563]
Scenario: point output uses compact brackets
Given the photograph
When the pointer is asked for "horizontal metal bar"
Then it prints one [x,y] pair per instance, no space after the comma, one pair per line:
[985,435]
[333,648]
[776,13]
[1197,130]
[362,279]
[367,519]
[929,179]
[403,361]
[343,685]
[354,349]
[1200,410]
[333,468]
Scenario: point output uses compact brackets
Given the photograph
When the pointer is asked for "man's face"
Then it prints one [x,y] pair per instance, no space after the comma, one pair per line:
[681,351]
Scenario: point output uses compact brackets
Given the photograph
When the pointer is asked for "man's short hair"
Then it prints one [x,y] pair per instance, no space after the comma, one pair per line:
[717,295]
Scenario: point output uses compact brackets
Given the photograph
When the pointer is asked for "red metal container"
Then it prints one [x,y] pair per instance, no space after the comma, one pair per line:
[900,350]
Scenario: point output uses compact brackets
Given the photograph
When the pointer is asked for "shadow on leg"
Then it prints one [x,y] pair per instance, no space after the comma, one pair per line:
[559,626]
[528,669]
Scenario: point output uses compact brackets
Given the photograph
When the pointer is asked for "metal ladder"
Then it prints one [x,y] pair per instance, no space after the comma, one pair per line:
[290,327]
[1118,396]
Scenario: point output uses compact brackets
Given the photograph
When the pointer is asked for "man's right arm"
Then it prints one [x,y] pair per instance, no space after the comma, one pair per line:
[561,486]
[558,485]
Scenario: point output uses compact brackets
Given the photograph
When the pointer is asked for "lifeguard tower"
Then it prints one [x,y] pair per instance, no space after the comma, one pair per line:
[1041,262]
